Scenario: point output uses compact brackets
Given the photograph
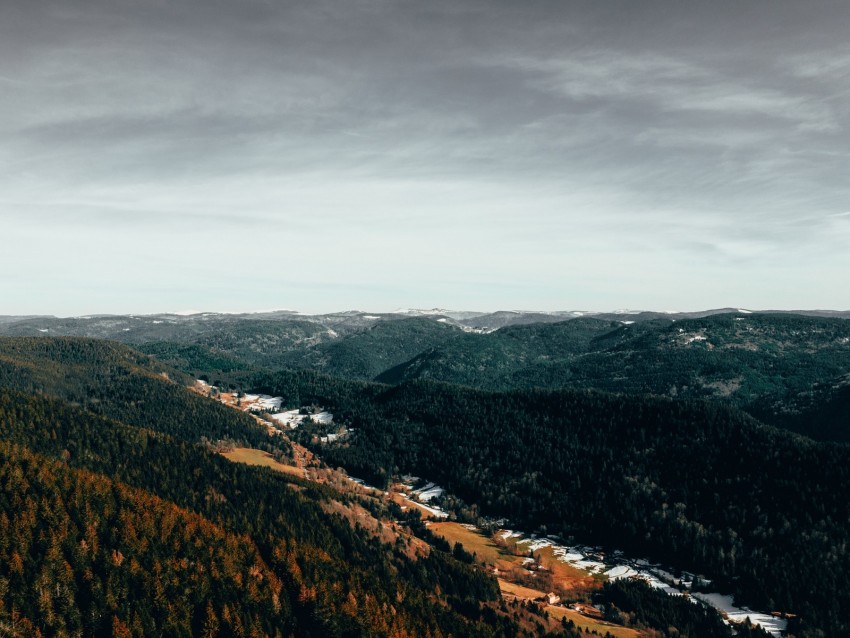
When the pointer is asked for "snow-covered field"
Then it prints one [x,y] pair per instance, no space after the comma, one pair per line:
[577,556]
[434,511]
[262,402]
[269,403]
[290,418]
[428,492]
[735,614]
[423,495]
[620,571]
[616,566]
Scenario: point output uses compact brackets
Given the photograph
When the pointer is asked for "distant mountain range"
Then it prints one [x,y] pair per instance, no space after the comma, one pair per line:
[108,324]
[781,367]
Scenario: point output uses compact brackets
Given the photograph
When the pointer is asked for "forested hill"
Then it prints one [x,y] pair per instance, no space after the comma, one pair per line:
[767,364]
[83,555]
[761,363]
[365,354]
[760,510]
[113,380]
[115,530]
[700,485]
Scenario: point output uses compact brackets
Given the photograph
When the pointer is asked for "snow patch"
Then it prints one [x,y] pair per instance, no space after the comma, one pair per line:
[621,571]
[725,604]
[616,566]
[428,492]
[510,534]
[290,418]
[433,511]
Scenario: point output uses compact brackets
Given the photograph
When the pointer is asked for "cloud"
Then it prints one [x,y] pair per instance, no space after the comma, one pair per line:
[669,85]
[395,147]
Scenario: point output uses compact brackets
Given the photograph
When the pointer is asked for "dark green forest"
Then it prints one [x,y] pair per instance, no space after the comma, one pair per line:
[100,510]
[765,364]
[761,511]
[104,447]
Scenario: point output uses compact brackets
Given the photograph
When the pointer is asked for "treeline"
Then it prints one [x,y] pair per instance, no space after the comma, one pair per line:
[634,603]
[115,381]
[762,511]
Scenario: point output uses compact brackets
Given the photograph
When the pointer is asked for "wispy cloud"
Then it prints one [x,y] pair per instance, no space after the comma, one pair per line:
[417,148]
[668,85]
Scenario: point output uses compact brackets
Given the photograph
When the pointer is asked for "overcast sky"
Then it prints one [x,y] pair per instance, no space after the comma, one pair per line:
[165,155]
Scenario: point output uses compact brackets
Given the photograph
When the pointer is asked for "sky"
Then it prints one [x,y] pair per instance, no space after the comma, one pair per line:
[165,155]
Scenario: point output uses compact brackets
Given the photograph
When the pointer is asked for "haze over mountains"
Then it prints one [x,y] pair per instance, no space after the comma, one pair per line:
[356,318]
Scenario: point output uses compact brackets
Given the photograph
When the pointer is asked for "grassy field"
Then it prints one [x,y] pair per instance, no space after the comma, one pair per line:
[567,579]
[519,591]
[485,549]
[589,624]
[572,581]
[259,457]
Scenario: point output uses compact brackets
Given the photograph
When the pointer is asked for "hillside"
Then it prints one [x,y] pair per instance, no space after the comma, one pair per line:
[113,380]
[365,354]
[754,508]
[498,360]
[765,363]
[760,363]
[645,475]
[120,530]
[84,555]
[826,407]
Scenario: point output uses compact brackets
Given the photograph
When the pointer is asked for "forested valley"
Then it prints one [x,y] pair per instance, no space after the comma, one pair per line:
[758,509]
[108,458]
[115,529]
